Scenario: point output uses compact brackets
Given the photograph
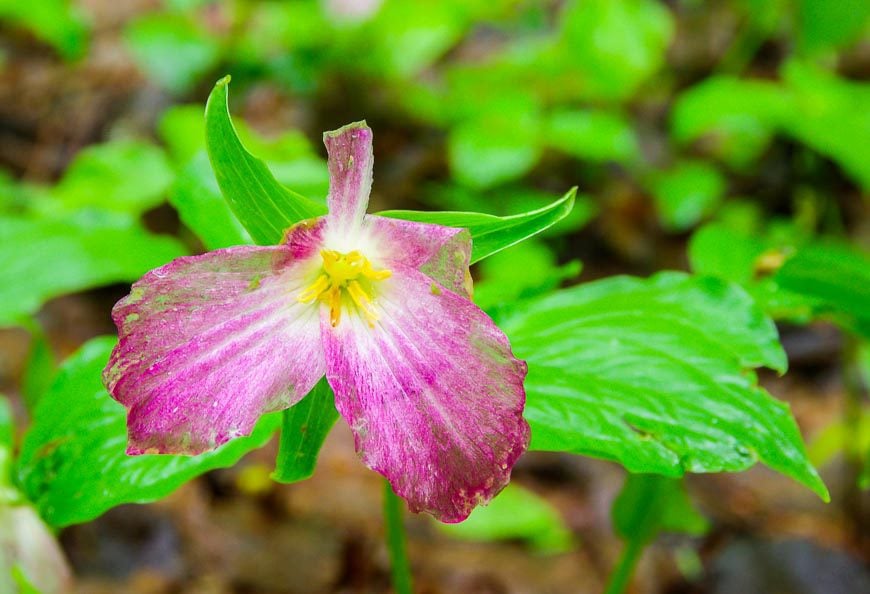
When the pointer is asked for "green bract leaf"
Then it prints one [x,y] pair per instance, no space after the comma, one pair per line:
[172,50]
[72,463]
[650,503]
[489,233]
[123,176]
[657,375]
[43,259]
[303,430]
[515,514]
[264,207]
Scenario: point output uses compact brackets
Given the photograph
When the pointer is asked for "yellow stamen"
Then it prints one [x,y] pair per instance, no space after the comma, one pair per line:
[351,271]
[363,302]
[315,289]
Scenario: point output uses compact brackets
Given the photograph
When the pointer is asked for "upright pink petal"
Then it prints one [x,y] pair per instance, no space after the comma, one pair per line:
[209,343]
[432,393]
[350,175]
[440,252]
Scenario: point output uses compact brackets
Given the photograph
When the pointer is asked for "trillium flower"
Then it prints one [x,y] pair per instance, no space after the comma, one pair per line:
[382,307]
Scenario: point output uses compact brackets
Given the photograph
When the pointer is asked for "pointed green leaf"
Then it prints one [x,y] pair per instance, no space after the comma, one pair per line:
[657,375]
[650,503]
[489,233]
[72,464]
[303,430]
[263,206]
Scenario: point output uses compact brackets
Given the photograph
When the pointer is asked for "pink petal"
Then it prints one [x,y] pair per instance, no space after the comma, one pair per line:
[209,343]
[433,395]
[442,253]
[350,175]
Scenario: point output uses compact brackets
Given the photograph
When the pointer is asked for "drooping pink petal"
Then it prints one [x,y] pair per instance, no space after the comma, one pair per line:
[440,252]
[350,176]
[433,395]
[209,343]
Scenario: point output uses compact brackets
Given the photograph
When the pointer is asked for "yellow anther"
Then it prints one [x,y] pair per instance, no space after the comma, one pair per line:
[351,271]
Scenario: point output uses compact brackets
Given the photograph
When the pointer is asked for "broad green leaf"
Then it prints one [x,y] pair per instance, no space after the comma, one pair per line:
[303,429]
[492,150]
[200,205]
[125,176]
[835,277]
[615,46]
[41,366]
[489,233]
[57,22]
[46,258]
[686,193]
[657,375]
[515,514]
[649,504]
[593,135]
[172,49]
[73,464]
[263,206]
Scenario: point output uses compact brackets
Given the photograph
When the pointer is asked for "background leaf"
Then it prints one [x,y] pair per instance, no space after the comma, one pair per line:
[686,193]
[172,50]
[45,259]
[73,464]
[201,206]
[122,176]
[515,514]
[656,375]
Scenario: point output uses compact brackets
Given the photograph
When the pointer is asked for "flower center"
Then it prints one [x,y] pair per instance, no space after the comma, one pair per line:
[351,272]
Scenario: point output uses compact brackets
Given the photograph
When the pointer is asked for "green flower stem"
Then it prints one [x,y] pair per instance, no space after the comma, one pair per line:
[396,542]
[621,576]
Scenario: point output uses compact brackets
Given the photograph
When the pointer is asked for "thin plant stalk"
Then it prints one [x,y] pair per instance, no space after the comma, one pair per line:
[624,570]
[396,542]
